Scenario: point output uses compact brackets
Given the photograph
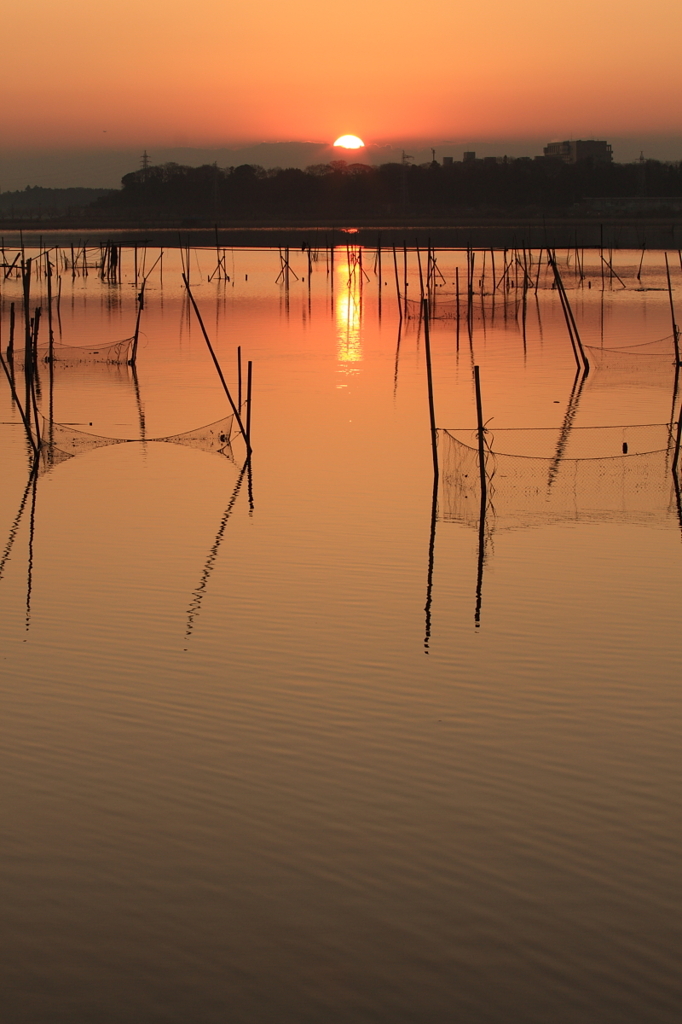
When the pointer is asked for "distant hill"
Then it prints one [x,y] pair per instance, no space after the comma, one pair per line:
[35,202]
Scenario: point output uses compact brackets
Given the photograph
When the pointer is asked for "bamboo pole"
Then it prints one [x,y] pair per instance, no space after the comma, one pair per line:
[678,441]
[481,441]
[676,331]
[484,500]
[537,276]
[430,566]
[136,337]
[397,283]
[10,344]
[28,336]
[249,380]
[50,340]
[421,275]
[234,408]
[578,350]
[429,382]
[18,404]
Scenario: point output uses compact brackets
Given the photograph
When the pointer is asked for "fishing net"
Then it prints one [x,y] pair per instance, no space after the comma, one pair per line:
[639,361]
[62,440]
[117,352]
[215,437]
[446,308]
[541,476]
[49,456]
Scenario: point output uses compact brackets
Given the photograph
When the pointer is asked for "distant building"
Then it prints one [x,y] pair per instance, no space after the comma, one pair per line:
[447,161]
[468,158]
[580,149]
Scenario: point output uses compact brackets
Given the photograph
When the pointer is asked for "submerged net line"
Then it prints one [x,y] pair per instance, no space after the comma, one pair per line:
[62,441]
[592,478]
[580,443]
[636,345]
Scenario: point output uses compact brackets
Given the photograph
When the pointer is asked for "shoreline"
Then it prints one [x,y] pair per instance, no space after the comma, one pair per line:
[535,233]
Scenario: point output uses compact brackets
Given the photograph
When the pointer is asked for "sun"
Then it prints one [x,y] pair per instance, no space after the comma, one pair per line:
[349,142]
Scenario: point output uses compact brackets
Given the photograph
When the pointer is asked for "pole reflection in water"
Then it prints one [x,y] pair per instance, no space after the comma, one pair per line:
[199,592]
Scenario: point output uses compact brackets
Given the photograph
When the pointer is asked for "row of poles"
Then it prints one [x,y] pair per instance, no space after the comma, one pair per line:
[526,276]
[582,361]
[583,368]
[27,402]
[518,268]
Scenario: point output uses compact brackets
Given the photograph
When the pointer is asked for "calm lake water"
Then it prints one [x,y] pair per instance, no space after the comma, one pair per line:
[289,748]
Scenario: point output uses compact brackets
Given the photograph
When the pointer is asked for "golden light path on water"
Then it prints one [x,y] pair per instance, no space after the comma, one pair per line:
[348,311]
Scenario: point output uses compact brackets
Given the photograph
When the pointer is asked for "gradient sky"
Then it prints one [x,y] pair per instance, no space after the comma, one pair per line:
[161,72]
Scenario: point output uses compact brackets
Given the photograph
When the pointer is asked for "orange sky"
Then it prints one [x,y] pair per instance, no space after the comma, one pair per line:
[153,72]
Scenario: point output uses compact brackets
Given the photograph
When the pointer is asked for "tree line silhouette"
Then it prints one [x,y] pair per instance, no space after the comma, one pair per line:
[340,190]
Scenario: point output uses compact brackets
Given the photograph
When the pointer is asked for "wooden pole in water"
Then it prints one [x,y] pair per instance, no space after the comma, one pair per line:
[234,408]
[249,379]
[36,331]
[28,337]
[470,296]
[50,340]
[18,404]
[568,316]
[397,283]
[217,251]
[484,500]
[429,381]
[239,376]
[140,304]
[537,276]
[10,344]
[481,442]
[678,441]
[676,332]
[421,275]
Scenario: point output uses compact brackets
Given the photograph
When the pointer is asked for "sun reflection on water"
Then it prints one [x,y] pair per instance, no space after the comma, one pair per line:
[349,315]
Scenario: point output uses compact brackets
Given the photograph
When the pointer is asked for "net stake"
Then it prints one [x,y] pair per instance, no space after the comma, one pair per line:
[481,444]
[676,330]
[235,410]
[429,381]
